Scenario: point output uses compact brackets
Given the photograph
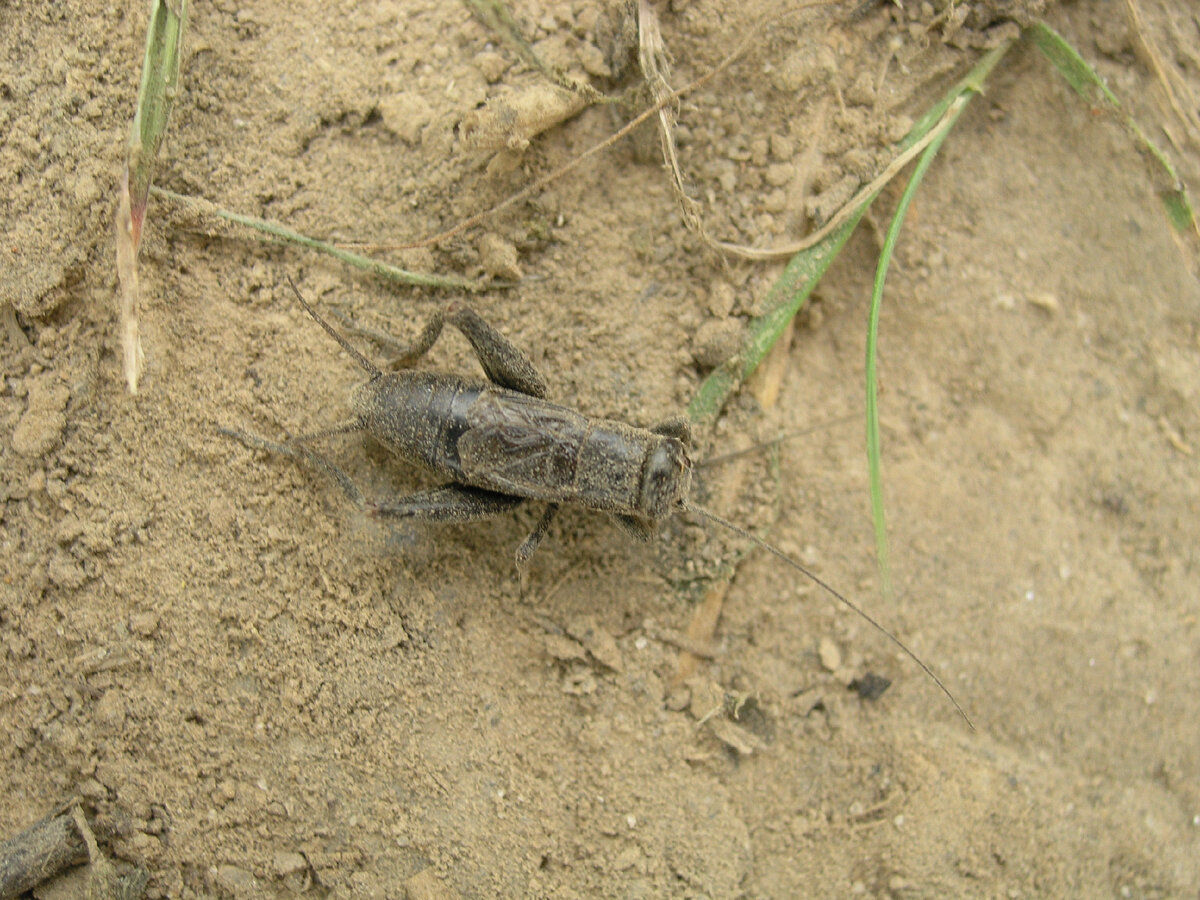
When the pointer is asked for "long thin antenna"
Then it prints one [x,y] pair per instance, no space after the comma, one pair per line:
[789,436]
[359,358]
[737,529]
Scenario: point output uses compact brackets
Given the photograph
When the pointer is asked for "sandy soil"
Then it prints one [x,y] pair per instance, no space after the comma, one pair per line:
[261,692]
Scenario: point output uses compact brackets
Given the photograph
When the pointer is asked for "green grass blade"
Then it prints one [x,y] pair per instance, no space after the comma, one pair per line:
[156,96]
[784,300]
[1070,65]
[874,465]
[1085,81]
[496,15]
[806,268]
[358,261]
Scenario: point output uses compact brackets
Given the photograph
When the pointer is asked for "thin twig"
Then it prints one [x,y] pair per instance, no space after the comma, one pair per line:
[39,853]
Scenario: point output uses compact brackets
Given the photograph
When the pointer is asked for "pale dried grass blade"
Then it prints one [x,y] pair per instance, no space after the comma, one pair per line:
[656,68]
[156,96]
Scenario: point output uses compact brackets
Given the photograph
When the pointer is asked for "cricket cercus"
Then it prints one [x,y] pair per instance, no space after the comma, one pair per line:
[499,443]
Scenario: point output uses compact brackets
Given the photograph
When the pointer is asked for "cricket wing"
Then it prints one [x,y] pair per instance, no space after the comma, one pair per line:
[523,446]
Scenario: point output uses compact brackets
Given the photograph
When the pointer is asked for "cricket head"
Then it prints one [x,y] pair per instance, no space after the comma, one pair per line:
[666,479]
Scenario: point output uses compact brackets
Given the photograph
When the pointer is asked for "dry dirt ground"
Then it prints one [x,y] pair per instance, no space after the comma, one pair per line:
[258,691]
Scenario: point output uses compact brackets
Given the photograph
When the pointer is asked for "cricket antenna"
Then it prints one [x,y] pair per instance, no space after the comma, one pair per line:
[738,530]
[776,441]
[358,357]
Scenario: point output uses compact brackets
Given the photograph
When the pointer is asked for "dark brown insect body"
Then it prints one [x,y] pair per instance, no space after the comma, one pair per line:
[490,437]
[500,442]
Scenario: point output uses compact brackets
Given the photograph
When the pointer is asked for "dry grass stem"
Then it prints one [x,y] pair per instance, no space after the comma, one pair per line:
[701,631]
[851,207]
[656,66]
[156,95]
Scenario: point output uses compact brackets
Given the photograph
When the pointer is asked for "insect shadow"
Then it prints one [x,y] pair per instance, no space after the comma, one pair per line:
[500,443]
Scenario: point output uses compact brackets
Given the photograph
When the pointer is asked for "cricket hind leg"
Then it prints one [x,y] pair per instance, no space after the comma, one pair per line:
[530,544]
[504,363]
[448,503]
[462,503]
[295,448]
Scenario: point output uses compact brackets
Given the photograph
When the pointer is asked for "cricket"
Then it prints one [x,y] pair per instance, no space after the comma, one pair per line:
[499,443]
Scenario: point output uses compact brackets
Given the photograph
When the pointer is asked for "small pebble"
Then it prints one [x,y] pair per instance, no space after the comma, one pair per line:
[593,62]
[1046,302]
[721,296]
[425,885]
[234,880]
[716,341]
[404,115]
[776,201]
[144,624]
[499,257]
[109,710]
[779,174]
[862,91]
[759,148]
[627,858]
[285,863]
[65,572]
[491,65]
[830,653]
[601,644]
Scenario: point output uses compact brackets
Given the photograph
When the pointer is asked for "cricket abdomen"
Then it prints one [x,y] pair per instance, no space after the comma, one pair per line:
[419,416]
